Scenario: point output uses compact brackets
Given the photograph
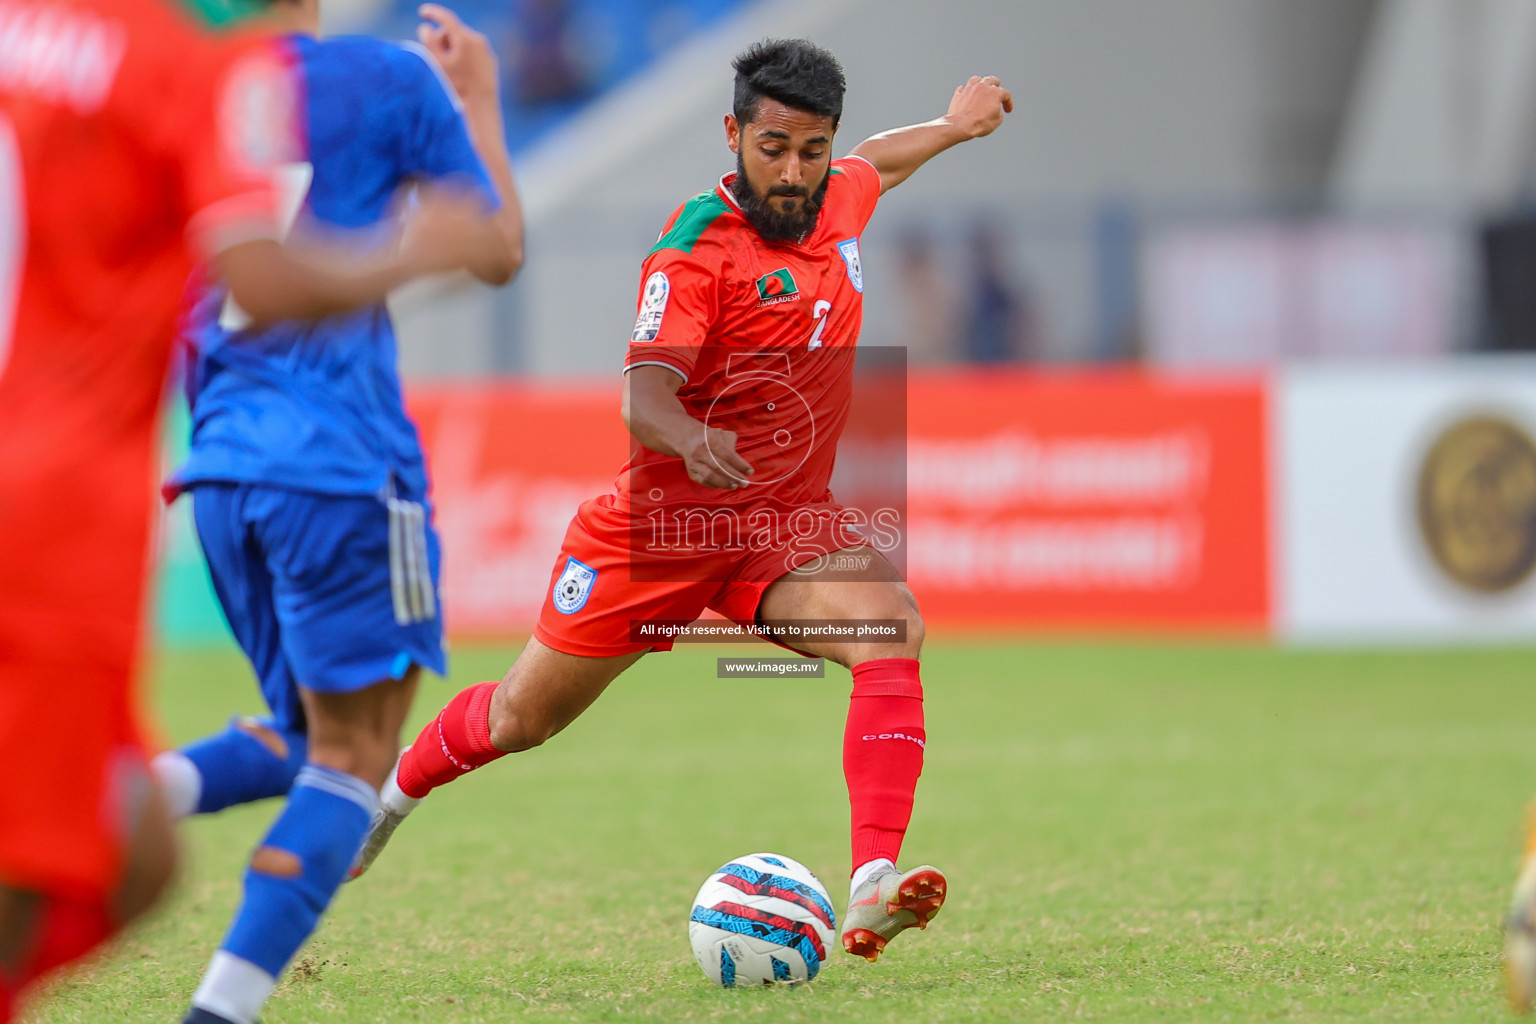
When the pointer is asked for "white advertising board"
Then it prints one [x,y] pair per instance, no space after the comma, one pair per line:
[1406,502]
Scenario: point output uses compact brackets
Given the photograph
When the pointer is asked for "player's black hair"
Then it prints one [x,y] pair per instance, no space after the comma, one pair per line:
[796,72]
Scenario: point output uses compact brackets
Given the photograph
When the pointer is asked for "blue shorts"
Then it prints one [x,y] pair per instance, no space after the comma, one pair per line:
[334,593]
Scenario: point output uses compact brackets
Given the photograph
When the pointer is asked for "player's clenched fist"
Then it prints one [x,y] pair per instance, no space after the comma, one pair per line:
[465,55]
[978,106]
[712,460]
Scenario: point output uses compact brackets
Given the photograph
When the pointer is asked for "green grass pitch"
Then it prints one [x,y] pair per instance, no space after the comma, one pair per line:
[1132,832]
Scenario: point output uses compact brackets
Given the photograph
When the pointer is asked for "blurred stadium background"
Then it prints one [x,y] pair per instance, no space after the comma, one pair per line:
[1222,332]
[1221,344]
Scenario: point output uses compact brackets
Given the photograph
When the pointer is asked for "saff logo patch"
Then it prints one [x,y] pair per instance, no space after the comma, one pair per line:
[778,286]
[849,251]
[653,306]
[574,587]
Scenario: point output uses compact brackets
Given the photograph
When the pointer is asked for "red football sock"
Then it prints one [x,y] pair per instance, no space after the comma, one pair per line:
[67,931]
[454,743]
[883,754]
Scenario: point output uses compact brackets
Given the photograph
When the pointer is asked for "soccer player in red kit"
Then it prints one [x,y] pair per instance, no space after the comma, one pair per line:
[738,383]
[131,143]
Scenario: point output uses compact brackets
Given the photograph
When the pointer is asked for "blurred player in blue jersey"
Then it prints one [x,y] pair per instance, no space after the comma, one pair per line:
[310,491]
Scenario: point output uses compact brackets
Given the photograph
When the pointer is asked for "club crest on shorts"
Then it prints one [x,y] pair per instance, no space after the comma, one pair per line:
[849,251]
[574,587]
[653,305]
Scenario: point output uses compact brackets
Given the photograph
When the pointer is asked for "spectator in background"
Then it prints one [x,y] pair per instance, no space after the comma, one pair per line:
[928,303]
[547,73]
[999,320]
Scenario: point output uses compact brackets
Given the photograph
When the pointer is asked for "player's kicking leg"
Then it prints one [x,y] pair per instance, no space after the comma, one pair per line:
[882,745]
[42,931]
[543,692]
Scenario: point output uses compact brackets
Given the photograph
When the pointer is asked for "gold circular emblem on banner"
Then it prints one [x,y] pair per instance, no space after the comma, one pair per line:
[1477,503]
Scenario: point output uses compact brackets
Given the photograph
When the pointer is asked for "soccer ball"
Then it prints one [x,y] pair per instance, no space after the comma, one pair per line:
[761,918]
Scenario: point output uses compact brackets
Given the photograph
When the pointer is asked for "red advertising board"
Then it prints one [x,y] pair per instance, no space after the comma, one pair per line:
[509,464]
[1094,501]
[1035,501]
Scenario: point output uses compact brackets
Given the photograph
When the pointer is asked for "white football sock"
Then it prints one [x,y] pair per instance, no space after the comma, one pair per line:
[392,797]
[868,870]
[180,782]
[233,988]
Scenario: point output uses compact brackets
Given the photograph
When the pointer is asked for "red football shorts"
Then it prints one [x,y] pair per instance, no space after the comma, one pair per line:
[598,591]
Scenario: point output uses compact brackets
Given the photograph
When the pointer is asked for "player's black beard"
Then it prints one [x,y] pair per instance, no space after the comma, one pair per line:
[770,223]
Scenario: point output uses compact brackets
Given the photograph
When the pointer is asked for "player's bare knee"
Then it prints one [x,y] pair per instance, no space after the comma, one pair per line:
[265,735]
[150,882]
[512,732]
[917,632]
[276,862]
[151,868]
[908,642]
[367,757]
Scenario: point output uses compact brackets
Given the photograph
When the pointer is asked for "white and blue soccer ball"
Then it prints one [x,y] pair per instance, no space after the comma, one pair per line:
[760,919]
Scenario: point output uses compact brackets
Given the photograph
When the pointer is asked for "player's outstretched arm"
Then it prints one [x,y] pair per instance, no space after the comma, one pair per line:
[276,281]
[976,109]
[658,420]
[469,62]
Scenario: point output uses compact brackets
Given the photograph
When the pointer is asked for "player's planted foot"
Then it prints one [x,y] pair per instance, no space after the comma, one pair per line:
[1520,940]
[889,903]
[394,805]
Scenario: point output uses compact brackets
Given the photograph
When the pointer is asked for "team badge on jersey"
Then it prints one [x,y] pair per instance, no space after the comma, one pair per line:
[776,287]
[849,251]
[574,587]
[653,305]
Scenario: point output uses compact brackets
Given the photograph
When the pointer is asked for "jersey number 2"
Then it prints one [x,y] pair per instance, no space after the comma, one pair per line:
[13,235]
[822,312]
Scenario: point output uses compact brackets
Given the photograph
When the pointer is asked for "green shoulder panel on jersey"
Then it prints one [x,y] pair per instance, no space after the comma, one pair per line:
[698,214]
[218,13]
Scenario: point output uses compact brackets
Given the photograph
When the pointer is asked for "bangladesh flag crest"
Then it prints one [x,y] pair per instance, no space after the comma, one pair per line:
[777,286]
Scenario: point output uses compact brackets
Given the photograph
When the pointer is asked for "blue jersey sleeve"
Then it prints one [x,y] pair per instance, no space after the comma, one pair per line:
[436,143]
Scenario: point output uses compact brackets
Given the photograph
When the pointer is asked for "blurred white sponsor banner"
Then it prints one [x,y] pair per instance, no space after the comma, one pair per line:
[1406,502]
[1259,293]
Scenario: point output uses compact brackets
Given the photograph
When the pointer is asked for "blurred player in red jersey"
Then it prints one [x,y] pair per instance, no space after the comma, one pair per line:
[131,143]
[762,271]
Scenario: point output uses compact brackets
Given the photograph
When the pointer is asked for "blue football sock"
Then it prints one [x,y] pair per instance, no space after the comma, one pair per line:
[199,1016]
[292,877]
[237,766]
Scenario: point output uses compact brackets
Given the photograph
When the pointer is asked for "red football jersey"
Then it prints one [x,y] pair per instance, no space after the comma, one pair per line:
[131,143]
[764,335]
